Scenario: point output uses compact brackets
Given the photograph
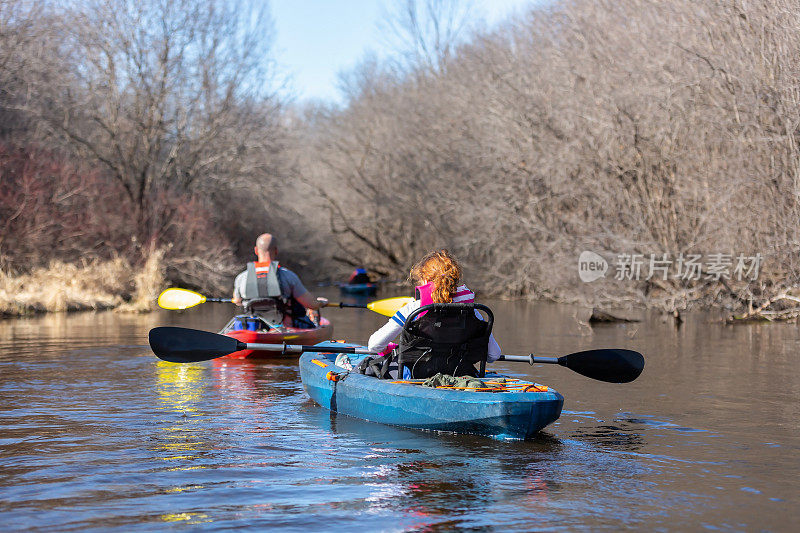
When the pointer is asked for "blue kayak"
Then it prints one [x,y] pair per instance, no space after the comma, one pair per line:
[360,289]
[511,414]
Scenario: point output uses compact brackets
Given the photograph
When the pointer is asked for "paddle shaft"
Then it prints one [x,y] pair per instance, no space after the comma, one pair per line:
[300,348]
[343,304]
[532,359]
[329,304]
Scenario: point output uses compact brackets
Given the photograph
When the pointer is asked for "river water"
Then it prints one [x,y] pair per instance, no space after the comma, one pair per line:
[96,433]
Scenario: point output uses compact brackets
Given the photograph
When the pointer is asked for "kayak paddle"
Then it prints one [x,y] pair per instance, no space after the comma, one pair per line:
[177,299]
[184,345]
[611,365]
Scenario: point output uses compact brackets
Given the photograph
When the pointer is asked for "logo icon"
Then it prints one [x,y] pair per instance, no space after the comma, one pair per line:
[591,266]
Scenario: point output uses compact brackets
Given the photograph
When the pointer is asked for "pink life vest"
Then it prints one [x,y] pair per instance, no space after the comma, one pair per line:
[424,294]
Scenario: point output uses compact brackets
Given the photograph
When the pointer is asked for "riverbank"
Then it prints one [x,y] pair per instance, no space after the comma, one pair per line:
[90,285]
[119,285]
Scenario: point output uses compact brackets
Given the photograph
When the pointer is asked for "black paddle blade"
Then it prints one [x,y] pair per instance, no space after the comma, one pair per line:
[184,345]
[613,365]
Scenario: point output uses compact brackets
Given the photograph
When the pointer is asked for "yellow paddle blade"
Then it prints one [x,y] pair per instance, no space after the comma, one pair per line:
[179,299]
[389,306]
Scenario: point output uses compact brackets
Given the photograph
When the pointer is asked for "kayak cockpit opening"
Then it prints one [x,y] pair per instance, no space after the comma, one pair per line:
[251,322]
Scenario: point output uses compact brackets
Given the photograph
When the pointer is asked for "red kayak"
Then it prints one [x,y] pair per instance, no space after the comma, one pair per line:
[277,335]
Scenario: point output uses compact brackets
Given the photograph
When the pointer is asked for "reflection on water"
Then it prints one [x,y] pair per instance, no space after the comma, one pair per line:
[180,390]
[97,433]
[180,387]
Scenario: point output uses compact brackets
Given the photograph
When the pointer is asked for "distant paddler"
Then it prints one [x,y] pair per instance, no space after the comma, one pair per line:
[266,287]
[359,276]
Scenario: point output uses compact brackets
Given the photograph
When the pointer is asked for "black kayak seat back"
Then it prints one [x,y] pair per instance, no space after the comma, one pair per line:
[447,338]
[259,303]
[271,309]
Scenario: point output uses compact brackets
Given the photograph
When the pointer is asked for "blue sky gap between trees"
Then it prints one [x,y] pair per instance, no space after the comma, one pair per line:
[318,39]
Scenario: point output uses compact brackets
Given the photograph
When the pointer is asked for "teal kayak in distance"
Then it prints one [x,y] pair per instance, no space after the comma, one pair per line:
[359,289]
[502,415]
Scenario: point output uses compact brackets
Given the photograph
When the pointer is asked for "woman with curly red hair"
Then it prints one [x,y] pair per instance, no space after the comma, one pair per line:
[436,277]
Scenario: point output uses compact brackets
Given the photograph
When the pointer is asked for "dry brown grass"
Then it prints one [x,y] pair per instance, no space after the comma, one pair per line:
[90,285]
[148,282]
[65,287]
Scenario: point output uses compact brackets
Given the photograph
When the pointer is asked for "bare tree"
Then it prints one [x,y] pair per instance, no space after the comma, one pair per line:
[425,33]
[18,33]
[163,94]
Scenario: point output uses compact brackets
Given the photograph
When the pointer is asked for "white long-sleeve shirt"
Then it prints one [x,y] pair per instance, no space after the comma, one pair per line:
[379,340]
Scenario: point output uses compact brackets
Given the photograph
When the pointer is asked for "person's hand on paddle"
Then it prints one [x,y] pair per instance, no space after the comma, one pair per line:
[314,314]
